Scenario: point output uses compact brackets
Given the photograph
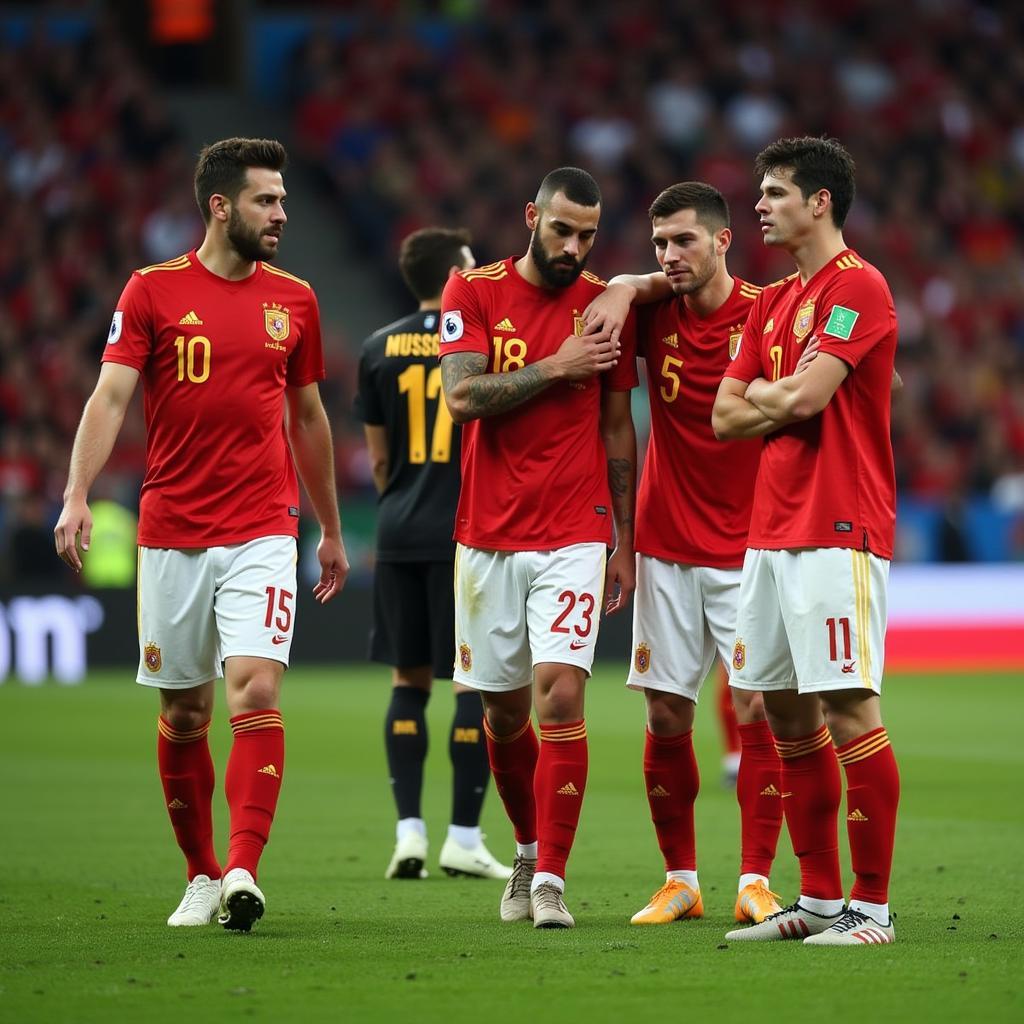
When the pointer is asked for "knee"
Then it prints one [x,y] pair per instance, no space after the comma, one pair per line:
[561,701]
[504,721]
[749,705]
[184,712]
[669,715]
[259,692]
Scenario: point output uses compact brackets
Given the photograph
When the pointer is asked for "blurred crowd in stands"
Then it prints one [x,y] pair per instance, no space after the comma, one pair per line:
[453,119]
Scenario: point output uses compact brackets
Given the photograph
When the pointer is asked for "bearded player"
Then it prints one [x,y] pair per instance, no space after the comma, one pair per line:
[548,462]
[229,351]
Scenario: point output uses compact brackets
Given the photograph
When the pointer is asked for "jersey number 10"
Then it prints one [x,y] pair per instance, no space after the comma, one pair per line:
[417,386]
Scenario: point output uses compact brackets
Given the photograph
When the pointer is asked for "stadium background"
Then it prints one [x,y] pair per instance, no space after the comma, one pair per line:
[400,115]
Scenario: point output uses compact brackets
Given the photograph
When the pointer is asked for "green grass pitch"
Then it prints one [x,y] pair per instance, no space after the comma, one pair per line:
[89,873]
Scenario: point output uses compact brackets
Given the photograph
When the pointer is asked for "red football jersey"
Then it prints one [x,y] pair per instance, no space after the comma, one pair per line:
[215,358]
[827,481]
[535,477]
[695,493]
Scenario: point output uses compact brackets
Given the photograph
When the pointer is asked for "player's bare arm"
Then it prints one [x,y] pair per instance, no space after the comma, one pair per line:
[471,392]
[619,438]
[734,417]
[94,440]
[800,395]
[609,310]
[377,451]
[309,435]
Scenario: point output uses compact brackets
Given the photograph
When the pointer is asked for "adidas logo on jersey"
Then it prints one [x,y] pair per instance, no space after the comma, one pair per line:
[177,805]
[191,319]
[568,790]
[672,340]
[856,815]
[269,769]
[770,790]
[659,790]
[504,325]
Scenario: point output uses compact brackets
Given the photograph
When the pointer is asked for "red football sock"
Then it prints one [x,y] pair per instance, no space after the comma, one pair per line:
[252,784]
[872,796]
[513,762]
[727,714]
[811,792]
[558,787]
[186,772]
[673,781]
[759,794]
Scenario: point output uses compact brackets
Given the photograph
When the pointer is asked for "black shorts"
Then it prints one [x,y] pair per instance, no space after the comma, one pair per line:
[414,616]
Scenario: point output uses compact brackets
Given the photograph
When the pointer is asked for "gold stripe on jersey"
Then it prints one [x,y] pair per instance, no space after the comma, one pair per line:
[594,279]
[491,272]
[849,263]
[749,291]
[285,275]
[178,263]
[862,605]
[781,281]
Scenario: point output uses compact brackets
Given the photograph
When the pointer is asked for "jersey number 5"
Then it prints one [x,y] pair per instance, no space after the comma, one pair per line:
[418,387]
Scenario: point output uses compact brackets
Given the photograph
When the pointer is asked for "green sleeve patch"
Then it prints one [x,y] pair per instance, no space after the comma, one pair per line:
[840,322]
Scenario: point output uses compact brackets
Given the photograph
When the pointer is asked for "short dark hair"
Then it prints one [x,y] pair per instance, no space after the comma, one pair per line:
[705,200]
[574,183]
[222,166]
[816,163]
[426,256]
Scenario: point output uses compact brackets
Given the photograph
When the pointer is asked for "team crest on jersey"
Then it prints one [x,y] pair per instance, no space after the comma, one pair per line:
[276,320]
[803,320]
[734,343]
[739,654]
[642,658]
[579,325]
[465,657]
[151,657]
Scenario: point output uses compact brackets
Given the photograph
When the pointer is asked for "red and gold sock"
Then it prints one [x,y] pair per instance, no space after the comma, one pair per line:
[872,796]
[672,781]
[186,773]
[759,794]
[513,762]
[558,786]
[727,714]
[252,784]
[811,791]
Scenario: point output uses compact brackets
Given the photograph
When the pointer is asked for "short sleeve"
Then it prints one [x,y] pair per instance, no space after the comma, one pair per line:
[130,338]
[367,405]
[462,327]
[306,360]
[855,315]
[746,364]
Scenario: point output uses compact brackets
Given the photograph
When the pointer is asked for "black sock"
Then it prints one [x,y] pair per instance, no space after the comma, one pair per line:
[405,740]
[468,753]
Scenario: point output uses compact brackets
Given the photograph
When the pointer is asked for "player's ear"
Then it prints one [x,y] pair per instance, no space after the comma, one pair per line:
[723,239]
[821,202]
[532,215]
[220,207]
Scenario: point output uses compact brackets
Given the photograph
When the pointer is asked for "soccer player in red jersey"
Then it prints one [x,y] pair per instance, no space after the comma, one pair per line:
[693,510]
[548,461]
[813,376]
[225,343]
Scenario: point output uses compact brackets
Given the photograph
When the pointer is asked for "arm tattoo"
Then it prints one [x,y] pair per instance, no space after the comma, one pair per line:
[620,475]
[490,393]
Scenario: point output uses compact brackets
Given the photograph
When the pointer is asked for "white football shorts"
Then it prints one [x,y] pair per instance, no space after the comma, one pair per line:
[516,609]
[682,616]
[198,606]
[811,620]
